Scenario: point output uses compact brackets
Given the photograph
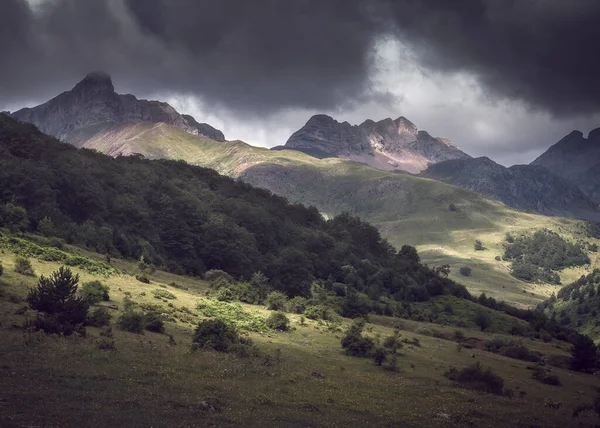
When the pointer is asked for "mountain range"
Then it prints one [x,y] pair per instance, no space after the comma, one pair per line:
[406,208]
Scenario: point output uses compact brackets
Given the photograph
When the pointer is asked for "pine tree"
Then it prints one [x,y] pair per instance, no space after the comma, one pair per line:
[56,297]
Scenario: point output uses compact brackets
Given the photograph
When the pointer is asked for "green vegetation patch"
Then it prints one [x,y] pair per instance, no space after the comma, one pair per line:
[232,313]
[25,248]
[537,257]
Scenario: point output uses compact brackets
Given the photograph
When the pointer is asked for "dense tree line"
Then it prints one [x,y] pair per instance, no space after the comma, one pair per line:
[188,220]
[538,256]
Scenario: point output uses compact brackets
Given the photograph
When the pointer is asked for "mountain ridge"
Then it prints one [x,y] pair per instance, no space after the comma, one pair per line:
[388,144]
[94,101]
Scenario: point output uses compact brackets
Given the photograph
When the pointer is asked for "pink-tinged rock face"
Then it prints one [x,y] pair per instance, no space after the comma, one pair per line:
[387,144]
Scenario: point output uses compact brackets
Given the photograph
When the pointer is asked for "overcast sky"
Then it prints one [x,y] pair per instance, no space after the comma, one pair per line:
[500,78]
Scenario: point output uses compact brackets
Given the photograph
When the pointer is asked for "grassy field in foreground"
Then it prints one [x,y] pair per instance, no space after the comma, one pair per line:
[300,379]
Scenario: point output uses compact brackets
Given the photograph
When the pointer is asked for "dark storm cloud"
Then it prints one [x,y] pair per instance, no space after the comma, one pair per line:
[263,55]
[544,52]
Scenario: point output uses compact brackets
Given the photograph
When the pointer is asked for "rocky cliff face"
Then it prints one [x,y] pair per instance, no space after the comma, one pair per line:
[93,102]
[387,144]
[577,159]
[529,188]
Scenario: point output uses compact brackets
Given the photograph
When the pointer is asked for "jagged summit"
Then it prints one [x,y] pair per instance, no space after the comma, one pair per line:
[387,144]
[93,102]
[97,81]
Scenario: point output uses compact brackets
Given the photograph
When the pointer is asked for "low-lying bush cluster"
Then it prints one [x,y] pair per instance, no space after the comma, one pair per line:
[477,378]
[511,349]
[163,294]
[220,336]
[94,292]
[542,375]
[25,248]
[233,314]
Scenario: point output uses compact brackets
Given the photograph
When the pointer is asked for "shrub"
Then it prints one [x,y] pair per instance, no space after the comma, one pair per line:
[392,343]
[1,269]
[296,305]
[94,291]
[142,278]
[98,318]
[478,245]
[154,322]
[475,377]
[215,334]
[278,321]
[540,374]
[56,298]
[452,207]
[23,266]
[276,301]
[163,294]
[355,344]
[225,294]
[465,271]
[379,355]
[320,312]
[482,320]
[132,321]
[106,341]
[232,313]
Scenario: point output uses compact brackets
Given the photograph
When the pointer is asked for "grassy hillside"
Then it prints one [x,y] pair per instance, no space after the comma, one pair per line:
[406,209]
[299,378]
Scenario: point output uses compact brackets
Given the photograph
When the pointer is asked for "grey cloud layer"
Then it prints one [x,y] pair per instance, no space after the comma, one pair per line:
[264,55]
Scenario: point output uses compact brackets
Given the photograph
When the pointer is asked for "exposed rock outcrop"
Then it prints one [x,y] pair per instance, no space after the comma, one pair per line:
[93,102]
[387,144]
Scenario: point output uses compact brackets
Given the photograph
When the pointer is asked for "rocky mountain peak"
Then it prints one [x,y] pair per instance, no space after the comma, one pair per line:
[594,135]
[387,144]
[93,102]
[95,82]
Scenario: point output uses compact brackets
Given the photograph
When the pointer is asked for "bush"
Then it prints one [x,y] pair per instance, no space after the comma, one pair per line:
[225,294]
[143,278]
[163,294]
[482,320]
[154,322]
[296,305]
[23,266]
[278,321]
[106,341]
[232,313]
[276,301]
[540,374]
[478,245]
[215,334]
[132,321]
[98,318]
[465,271]
[475,377]
[355,344]
[379,355]
[214,274]
[1,269]
[320,312]
[94,291]
[56,297]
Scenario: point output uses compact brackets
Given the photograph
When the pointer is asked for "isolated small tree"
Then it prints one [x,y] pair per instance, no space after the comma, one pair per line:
[278,321]
[479,245]
[379,355]
[56,297]
[276,301]
[465,271]
[483,320]
[23,266]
